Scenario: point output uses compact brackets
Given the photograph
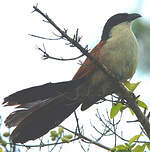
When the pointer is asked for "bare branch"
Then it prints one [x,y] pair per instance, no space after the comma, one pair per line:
[44,37]
[127,140]
[47,56]
[77,120]
[85,150]
[87,139]
[43,145]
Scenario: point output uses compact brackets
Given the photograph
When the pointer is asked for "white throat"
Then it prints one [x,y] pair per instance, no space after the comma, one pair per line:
[120,29]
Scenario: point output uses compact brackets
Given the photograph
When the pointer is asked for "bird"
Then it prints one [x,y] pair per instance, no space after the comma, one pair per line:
[42,108]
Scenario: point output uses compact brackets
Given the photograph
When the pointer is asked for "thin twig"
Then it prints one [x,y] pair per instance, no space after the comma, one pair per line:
[43,145]
[77,121]
[43,37]
[47,56]
[54,145]
[99,117]
[87,139]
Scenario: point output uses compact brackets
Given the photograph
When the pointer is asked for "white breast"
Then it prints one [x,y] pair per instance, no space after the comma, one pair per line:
[120,53]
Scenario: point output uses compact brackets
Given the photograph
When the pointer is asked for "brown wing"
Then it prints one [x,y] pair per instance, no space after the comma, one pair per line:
[88,66]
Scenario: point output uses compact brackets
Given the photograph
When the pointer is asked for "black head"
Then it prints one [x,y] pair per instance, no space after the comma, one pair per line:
[115,20]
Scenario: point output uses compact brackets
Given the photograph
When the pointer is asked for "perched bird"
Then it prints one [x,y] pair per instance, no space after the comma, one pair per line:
[44,107]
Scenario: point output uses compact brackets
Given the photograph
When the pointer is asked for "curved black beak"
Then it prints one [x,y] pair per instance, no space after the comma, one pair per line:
[133,16]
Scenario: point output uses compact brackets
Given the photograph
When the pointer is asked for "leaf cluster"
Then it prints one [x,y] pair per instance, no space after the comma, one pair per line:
[120,107]
[56,135]
[131,146]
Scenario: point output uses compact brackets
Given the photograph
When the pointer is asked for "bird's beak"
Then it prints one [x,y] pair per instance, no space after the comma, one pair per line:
[133,16]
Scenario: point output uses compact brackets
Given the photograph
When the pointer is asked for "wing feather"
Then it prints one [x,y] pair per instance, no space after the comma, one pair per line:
[88,66]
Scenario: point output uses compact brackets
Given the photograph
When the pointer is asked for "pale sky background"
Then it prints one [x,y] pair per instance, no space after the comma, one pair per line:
[20,62]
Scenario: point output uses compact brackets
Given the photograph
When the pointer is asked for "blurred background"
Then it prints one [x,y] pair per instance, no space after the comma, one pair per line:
[21,65]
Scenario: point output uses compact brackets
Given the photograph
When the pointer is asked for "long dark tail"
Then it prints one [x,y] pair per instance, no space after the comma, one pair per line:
[41,108]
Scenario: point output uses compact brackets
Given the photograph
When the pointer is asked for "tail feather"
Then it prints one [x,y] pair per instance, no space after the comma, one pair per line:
[41,92]
[40,121]
[42,111]
[15,118]
[20,114]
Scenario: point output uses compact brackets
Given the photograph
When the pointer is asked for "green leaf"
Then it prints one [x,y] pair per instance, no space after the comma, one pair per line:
[123,108]
[139,148]
[60,130]
[131,111]
[1,149]
[54,133]
[69,136]
[129,146]
[64,139]
[134,138]
[53,138]
[148,146]
[119,147]
[6,134]
[115,109]
[143,147]
[132,146]
[142,104]
[131,86]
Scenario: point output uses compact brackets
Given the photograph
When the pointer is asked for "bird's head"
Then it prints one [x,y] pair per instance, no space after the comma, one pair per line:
[116,20]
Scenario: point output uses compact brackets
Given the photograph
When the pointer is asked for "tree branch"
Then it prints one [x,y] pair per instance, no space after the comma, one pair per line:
[110,129]
[41,37]
[47,56]
[87,139]
[44,145]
